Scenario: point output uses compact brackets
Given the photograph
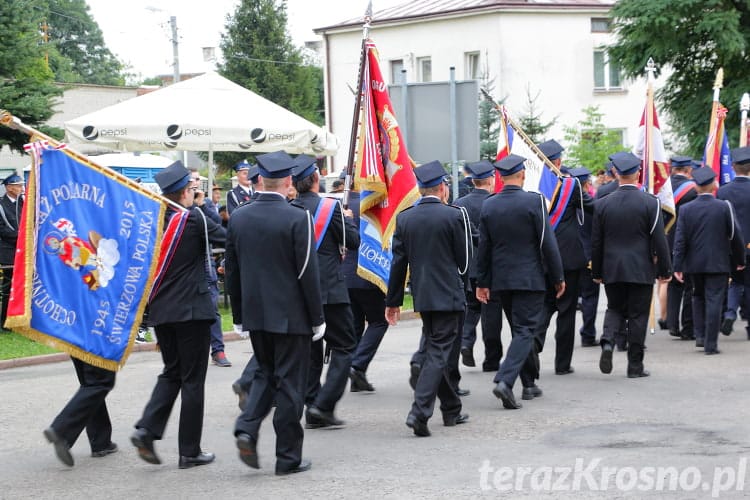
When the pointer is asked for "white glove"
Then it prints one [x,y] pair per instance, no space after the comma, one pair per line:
[319,331]
[239,331]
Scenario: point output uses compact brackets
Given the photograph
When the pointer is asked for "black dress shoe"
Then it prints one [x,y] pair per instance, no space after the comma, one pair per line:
[489,368]
[62,449]
[605,361]
[712,352]
[462,392]
[241,394]
[144,441]
[414,374]
[624,347]
[589,343]
[639,374]
[248,452]
[699,343]
[419,427]
[316,418]
[453,419]
[303,466]
[674,333]
[203,458]
[726,326]
[359,381]
[687,336]
[530,393]
[567,371]
[503,392]
[467,356]
[663,324]
[110,448]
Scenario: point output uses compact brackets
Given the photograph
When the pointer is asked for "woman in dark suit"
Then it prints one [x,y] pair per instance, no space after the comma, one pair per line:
[181,312]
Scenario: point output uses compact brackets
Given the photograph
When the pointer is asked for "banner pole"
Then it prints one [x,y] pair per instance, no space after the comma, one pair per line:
[649,164]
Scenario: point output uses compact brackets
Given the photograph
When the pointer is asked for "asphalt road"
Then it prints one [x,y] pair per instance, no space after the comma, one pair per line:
[688,423]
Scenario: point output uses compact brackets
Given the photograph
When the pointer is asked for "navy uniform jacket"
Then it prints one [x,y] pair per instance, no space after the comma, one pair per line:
[708,238]
[627,231]
[738,193]
[332,283]
[472,202]
[516,243]
[182,294]
[278,280]
[431,240]
[236,197]
[677,181]
[567,232]
[9,228]
[606,189]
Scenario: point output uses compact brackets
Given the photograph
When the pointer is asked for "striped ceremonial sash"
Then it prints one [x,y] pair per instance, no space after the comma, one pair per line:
[171,239]
[322,219]
[559,204]
[681,191]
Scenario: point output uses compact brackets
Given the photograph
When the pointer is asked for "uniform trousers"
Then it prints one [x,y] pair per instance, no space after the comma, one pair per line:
[454,373]
[283,365]
[440,331]
[680,294]
[589,292]
[565,327]
[184,350]
[491,317]
[217,334]
[340,344]
[88,408]
[629,302]
[368,305]
[5,292]
[525,312]
[708,303]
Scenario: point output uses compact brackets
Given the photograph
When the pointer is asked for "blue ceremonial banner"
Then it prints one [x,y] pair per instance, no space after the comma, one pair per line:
[89,250]
[374,262]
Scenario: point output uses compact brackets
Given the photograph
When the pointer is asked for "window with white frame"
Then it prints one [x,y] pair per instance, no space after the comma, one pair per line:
[606,72]
[601,25]
[472,67]
[424,69]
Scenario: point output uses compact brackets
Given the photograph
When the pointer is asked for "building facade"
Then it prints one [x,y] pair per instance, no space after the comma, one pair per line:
[553,48]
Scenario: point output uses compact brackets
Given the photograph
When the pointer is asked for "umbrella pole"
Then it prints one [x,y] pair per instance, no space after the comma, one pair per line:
[210,169]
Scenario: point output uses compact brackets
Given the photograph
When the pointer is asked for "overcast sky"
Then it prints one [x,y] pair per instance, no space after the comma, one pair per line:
[138,31]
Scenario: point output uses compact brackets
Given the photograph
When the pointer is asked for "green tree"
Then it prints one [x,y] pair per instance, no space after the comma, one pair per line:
[77,52]
[693,39]
[260,56]
[26,83]
[531,122]
[589,142]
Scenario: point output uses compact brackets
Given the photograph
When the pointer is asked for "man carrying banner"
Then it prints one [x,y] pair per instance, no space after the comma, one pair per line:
[738,193]
[512,260]
[334,234]
[627,234]
[432,241]
[482,176]
[707,247]
[181,311]
[281,308]
[11,205]
[680,293]
[569,199]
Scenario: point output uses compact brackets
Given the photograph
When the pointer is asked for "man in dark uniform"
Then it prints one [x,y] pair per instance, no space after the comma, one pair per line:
[512,259]
[482,175]
[11,204]
[679,293]
[242,192]
[334,233]
[621,337]
[707,247]
[627,233]
[738,193]
[281,308]
[574,262]
[181,312]
[368,304]
[589,291]
[432,241]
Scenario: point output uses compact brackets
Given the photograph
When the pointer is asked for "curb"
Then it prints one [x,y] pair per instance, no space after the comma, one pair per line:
[42,359]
